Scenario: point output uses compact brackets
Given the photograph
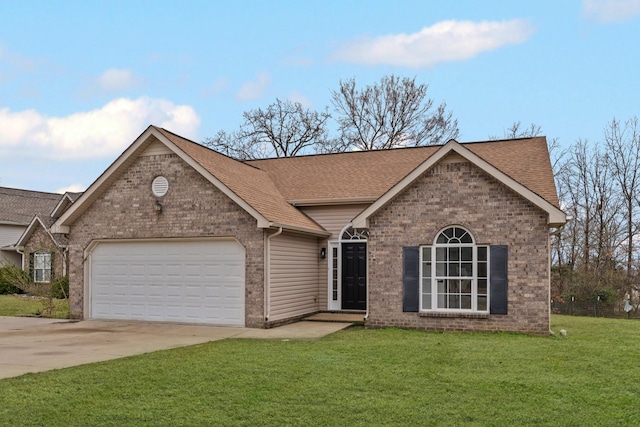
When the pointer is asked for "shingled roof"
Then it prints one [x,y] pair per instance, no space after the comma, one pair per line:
[20,206]
[366,175]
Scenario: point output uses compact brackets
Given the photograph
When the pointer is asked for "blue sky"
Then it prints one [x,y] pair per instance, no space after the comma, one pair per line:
[80,80]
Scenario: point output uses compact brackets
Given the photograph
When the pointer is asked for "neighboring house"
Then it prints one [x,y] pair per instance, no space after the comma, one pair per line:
[451,237]
[25,237]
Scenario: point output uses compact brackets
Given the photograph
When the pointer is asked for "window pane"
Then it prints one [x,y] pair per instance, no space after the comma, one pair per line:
[442,301]
[466,269]
[459,232]
[441,287]
[466,238]
[482,253]
[449,232]
[454,301]
[482,269]
[38,275]
[465,302]
[426,301]
[482,303]
[465,286]
[426,269]
[441,268]
[454,286]
[467,253]
[441,254]
[426,254]
[454,269]
[426,284]
[442,238]
[482,286]
[454,254]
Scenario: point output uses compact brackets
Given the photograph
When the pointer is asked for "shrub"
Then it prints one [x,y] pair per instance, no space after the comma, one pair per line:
[7,280]
[60,288]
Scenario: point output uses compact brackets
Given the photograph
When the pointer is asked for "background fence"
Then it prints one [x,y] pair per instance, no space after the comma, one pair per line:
[594,308]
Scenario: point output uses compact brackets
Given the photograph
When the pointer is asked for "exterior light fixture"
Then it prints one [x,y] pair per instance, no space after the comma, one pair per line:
[323,253]
[157,207]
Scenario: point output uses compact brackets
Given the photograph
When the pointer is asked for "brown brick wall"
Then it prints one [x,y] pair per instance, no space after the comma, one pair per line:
[40,240]
[461,194]
[192,207]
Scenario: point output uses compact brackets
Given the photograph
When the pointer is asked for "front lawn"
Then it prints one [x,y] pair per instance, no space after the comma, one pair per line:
[22,305]
[354,377]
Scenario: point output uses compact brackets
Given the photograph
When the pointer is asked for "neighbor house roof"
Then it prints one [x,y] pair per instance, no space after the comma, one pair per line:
[19,206]
[270,189]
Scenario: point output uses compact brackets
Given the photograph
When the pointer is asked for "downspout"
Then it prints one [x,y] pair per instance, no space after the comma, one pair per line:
[267,275]
[20,250]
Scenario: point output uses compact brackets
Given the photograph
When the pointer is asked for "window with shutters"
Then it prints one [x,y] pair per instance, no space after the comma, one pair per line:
[454,273]
[42,267]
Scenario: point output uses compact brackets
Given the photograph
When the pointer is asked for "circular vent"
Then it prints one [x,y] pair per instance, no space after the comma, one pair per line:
[160,186]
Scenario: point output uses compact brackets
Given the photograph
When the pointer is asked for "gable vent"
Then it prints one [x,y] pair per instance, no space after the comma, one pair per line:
[160,186]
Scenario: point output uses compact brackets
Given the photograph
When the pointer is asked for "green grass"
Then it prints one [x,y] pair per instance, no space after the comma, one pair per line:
[355,377]
[16,305]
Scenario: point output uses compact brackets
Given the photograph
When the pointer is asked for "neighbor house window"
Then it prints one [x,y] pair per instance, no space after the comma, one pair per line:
[454,273]
[42,267]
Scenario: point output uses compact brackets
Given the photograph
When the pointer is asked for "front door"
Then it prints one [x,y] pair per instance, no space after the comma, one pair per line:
[354,276]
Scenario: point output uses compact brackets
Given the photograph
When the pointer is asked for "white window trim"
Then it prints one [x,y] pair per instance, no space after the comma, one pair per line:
[434,278]
[44,259]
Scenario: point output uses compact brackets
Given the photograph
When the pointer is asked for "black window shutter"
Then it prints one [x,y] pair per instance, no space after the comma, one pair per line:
[498,278]
[52,259]
[31,271]
[410,278]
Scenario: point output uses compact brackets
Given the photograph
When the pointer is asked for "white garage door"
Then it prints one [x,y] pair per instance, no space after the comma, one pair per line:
[176,281]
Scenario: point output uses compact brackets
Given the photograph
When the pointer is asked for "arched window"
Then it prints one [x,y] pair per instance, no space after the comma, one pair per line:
[454,273]
[350,233]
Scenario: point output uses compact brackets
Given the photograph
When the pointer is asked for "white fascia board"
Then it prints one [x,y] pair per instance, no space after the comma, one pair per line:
[555,215]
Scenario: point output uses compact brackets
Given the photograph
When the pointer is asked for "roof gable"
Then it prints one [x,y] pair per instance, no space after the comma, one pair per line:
[45,223]
[250,188]
[555,215]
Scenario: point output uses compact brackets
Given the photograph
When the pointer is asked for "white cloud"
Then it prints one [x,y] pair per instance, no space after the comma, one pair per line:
[103,132]
[611,10]
[254,89]
[115,79]
[73,188]
[300,99]
[442,42]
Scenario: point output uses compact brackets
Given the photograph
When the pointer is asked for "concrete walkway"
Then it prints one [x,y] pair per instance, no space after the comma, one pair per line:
[36,345]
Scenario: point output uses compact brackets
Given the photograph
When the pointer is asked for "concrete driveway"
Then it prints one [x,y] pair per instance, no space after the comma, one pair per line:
[36,345]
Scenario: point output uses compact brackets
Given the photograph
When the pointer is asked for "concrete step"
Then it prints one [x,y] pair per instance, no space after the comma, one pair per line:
[356,318]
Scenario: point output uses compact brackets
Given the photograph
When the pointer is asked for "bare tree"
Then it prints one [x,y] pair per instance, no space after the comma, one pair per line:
[394,112]
[283,129]
[623,145]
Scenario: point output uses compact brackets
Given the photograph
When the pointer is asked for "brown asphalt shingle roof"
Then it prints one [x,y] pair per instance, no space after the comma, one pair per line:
[20,206]
[369,174]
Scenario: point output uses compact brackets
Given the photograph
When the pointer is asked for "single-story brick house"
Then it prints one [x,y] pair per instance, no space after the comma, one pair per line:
[451,237]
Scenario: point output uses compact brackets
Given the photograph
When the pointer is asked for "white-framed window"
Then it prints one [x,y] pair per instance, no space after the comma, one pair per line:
[42,267]
[454,273]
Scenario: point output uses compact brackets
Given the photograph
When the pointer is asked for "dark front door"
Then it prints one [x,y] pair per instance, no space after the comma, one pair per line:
[354,276]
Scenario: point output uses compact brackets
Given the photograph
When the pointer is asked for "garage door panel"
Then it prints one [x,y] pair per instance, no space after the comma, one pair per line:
[187,281]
